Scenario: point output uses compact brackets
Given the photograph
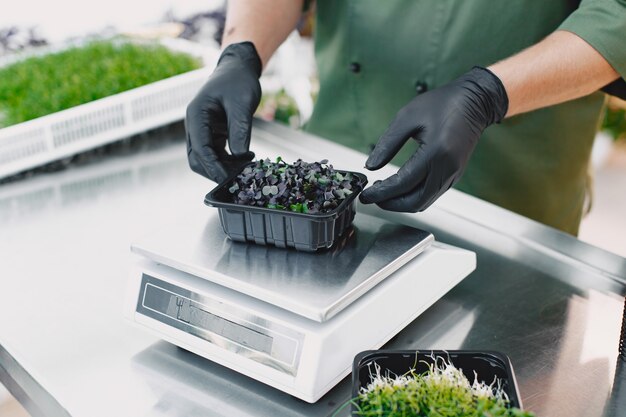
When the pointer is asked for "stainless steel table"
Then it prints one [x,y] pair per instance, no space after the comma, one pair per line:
[550,302]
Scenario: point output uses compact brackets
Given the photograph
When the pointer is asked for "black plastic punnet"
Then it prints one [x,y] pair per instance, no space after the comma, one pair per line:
[282,228]
[488,365]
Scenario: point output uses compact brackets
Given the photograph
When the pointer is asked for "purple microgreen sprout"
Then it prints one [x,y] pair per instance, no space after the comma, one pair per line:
[299,187]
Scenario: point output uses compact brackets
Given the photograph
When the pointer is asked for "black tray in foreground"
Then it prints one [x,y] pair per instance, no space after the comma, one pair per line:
[487,365]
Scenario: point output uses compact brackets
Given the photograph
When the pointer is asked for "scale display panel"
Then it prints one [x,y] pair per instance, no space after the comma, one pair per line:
[224,325]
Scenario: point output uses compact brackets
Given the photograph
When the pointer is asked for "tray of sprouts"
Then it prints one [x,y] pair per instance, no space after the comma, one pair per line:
[395,383]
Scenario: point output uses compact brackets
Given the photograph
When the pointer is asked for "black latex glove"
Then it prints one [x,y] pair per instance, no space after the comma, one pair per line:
[222,112]
[447,122]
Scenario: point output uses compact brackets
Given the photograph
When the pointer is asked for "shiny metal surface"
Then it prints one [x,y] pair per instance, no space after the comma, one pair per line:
[314,285]
[550,302]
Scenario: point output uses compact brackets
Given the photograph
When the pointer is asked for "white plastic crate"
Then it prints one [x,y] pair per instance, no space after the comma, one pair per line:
[68,132]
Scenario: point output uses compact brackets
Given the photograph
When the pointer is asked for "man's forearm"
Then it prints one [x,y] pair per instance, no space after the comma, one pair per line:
[562,67]
[265,23]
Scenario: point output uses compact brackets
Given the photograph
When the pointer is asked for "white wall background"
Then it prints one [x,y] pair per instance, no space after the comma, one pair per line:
[59,19]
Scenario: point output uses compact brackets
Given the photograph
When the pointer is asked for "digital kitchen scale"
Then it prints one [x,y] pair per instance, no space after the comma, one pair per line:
[293,320]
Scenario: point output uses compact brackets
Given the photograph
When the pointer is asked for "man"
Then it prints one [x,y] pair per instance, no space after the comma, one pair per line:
[513,84]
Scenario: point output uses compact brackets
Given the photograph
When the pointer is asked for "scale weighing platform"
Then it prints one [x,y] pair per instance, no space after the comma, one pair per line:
[290,319]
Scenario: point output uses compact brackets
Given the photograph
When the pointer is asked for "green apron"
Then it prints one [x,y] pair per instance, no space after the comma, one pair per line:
[373,57]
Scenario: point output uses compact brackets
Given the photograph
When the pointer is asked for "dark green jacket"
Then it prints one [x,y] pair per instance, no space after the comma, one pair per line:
[374,56]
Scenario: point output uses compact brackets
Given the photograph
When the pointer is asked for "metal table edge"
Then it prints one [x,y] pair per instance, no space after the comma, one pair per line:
[26,390]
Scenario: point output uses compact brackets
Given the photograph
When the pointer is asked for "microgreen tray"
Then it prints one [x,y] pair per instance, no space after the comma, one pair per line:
[283,228]
[485,366]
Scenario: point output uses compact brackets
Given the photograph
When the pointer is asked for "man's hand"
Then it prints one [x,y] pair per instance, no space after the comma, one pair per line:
[222,112]
[447,122]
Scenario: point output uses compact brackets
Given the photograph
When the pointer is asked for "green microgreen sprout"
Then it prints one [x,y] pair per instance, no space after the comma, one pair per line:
[442,391]
[42,85]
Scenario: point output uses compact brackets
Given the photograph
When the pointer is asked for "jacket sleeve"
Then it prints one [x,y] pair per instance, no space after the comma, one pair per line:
[602,24]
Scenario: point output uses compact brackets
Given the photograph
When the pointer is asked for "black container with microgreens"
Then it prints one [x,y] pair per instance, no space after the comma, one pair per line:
[303,205]
[438,382]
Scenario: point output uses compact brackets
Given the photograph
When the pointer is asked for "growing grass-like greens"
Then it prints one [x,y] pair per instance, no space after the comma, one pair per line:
[42,85]
[442,391]
[299,187]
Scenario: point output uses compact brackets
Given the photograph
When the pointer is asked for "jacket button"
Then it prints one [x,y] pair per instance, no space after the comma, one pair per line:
[421,87]
[355,67]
